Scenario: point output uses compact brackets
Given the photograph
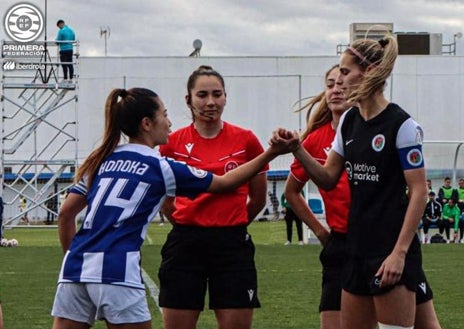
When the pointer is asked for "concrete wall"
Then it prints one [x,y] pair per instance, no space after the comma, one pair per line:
[262,90]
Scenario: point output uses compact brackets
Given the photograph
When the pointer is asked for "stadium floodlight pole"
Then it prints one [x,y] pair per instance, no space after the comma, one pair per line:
[45,24]
[105,31]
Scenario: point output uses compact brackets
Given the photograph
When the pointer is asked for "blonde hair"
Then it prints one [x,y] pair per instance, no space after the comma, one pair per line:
[321,115]
[377,59]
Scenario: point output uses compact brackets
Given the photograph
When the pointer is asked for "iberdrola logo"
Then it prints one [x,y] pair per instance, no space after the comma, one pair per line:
[378,142]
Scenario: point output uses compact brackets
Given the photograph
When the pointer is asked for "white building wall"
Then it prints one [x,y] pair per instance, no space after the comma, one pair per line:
[261,91]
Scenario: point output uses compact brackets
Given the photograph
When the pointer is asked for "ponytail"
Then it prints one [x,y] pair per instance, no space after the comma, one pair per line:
[317,117]
[322,114]
[377,59]
[111,138]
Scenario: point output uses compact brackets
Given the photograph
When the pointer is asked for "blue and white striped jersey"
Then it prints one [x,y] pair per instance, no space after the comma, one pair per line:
[126,194]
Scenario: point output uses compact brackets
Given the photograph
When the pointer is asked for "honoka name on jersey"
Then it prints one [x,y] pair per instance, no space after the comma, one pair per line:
[128,166]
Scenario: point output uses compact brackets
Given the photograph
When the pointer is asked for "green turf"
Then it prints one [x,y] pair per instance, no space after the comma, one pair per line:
[289,279]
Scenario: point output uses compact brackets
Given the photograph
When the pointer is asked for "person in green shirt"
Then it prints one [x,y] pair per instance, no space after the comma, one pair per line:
[446,192]
[451,216]
[460,193]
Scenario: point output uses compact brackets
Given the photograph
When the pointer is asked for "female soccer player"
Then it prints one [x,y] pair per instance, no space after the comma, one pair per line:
[317,139]
[123,187]
[379,145]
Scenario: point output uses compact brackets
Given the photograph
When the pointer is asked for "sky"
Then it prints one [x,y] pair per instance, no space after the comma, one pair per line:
[237,27]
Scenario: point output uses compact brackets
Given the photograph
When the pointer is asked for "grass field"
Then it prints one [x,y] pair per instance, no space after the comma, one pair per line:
[289,279]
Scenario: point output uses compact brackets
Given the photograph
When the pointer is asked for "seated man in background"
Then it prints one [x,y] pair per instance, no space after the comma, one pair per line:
[450,218]
[432,214]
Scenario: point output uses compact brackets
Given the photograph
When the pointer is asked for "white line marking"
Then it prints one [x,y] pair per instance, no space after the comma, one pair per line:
[152,288]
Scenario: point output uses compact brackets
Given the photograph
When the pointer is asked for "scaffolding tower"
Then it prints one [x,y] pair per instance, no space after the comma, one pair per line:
[39,143]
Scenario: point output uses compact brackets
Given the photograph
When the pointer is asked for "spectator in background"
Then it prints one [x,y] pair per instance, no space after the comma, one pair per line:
[460,198]
[461,228]
[1,217]
[446,192]
[65,33]
[51,205]
[61,199]
[460,194]
[22,209]
[290,218]
[161,218]
[432,214]
[429,185]
[450,219]
[275,205]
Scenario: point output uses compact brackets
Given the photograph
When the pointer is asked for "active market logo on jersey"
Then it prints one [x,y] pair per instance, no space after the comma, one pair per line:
[23,22]
[361,172]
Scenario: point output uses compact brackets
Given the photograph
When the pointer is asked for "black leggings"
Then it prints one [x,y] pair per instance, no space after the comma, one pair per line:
[291,217]
[66,56]
[445,225]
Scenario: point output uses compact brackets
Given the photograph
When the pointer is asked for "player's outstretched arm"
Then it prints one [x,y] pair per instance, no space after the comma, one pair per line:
[326,177]
[289,141]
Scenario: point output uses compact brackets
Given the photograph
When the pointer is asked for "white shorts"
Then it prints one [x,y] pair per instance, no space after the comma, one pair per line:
[87,302]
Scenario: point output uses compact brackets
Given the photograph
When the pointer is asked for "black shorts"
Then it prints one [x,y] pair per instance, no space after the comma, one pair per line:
[332,257]
[218,259]
[423,292]
[359,275]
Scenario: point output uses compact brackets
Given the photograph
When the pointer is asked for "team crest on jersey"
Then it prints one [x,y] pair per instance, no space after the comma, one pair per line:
[414,157]
[378,142]
[189,147]
[230,165]
[200,173]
